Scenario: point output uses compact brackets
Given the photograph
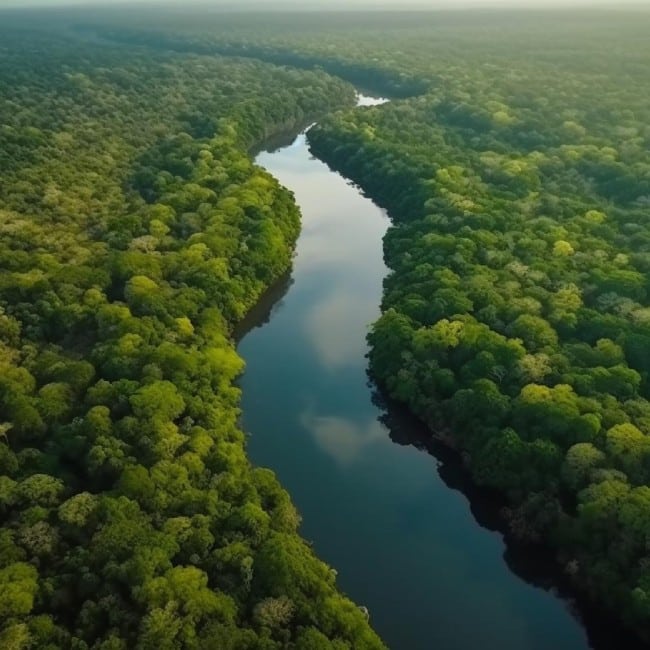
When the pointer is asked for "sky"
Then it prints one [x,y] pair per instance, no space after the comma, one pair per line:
[332,4]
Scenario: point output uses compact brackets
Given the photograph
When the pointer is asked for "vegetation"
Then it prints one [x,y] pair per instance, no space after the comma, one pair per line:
[516,317]
[134,233]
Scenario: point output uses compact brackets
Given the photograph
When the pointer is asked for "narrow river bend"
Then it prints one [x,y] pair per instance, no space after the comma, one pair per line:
[403,543]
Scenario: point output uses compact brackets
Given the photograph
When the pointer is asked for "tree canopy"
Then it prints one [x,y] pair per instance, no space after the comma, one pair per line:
[135,232]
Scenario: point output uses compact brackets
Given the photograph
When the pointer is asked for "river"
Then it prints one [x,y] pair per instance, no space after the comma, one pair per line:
[382,514]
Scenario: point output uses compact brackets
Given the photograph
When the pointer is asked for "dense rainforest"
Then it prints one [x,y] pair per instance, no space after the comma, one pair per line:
[515,164]
[514,161]
[516,319]
[135,232]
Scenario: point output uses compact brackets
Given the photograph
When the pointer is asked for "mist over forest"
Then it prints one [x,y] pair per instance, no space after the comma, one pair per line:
[349,5]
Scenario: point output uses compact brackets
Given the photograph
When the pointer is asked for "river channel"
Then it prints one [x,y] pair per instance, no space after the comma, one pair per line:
[405,544]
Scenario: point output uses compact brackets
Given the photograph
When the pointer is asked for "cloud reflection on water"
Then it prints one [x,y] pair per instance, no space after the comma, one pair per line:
[337,343]
[341,438]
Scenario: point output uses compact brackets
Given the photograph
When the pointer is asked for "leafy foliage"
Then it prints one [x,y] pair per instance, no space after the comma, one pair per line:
[134,233]
[515,314]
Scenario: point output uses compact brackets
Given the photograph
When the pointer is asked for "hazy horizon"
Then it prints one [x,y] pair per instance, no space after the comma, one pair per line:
[303,5]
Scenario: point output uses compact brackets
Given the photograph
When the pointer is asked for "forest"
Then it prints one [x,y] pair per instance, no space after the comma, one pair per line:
[514,162]
[515,165]
[516,318]
[134,233]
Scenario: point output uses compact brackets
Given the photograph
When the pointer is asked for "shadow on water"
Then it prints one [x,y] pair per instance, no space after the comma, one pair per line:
[280,140]
[268,304]
[535,564]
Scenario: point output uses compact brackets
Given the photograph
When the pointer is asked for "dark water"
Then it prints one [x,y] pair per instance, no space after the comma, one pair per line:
[404,544]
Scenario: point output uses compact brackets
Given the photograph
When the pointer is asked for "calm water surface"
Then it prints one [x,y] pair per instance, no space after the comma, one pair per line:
[404,544]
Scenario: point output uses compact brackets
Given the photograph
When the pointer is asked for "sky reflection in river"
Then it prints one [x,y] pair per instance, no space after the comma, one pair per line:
[342,233]
[343,440]
[334,340]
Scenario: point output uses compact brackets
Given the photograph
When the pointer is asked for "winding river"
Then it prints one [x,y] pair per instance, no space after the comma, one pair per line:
[383,514]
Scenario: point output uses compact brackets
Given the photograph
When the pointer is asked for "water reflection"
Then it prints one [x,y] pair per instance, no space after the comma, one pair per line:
[328,326]
[341,227]
[340,438]
[268,305]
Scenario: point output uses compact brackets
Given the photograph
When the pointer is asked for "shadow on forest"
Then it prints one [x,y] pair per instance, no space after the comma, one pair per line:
[534,564]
